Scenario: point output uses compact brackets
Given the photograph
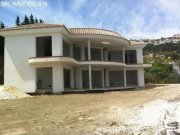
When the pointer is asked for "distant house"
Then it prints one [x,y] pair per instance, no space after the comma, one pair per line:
[55,58]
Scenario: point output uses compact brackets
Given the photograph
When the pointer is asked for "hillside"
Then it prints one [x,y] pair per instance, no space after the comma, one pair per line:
[162,57]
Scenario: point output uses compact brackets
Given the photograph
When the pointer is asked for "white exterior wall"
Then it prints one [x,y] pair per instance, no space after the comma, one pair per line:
[141,77]
[57,75]
[17,71]
[139,53]
[58,79]
[78,76]
[57,45]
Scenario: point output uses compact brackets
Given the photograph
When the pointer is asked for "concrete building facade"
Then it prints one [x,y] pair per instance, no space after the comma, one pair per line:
[53,58]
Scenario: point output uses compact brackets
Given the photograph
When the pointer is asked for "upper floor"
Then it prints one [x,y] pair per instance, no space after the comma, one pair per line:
[88,50]
[81,44]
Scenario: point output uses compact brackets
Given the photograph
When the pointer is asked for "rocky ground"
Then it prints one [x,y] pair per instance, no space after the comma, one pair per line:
[158,117]
[151,111]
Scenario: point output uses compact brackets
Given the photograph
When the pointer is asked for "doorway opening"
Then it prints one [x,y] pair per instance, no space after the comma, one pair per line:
[43,46]
[44,78]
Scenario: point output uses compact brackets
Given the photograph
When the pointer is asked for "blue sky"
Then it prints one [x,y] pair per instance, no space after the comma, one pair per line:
[131,18]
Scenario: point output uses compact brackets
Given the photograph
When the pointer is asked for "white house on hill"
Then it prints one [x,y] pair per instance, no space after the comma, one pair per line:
[53,58]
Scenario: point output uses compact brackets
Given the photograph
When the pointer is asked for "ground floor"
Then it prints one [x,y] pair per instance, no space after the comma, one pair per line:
[67,78]
[61,74]
[146,112]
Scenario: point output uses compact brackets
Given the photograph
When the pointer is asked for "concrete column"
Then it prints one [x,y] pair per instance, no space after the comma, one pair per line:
[58,79]
[139,55]
[82,53]
[103,77]
[123,54]
[141,77]
[57,45]
[102,54]
[107,77]
[74,69]
[90,78]
[89,50]
[106,55]
[71,50]
[72,77]
[125,80]
[78,76]
[89,58]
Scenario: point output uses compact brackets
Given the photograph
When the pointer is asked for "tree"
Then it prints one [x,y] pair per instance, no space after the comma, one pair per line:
[31,19]
[36,20]
[174,56]
[17,21]
[2,25]
[158,73]
[26,20]
[41,21]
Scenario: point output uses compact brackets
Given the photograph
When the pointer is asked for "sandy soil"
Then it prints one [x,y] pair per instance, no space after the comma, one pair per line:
[147,111]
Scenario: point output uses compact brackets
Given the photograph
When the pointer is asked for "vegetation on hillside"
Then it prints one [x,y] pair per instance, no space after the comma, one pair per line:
[162,47]
[161,70]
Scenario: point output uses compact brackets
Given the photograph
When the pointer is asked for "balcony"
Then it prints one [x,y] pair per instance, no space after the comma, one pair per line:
[73,62]
[74,54]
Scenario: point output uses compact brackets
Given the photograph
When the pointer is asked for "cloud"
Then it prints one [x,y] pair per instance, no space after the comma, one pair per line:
[79,3]
[155,19]
[132,19]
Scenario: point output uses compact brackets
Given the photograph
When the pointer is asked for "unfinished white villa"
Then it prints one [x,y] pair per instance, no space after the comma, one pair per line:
[53,58]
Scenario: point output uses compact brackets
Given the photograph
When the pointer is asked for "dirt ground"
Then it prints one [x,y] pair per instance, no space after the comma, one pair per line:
[144,111]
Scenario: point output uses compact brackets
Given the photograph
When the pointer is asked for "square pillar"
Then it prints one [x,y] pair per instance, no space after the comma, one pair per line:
[89,50]
[102,54]
[139,53]
[57,45]
[105,54]
[82,53]
[58,78]
[71,50]
[141,77]
[72,77]
[106,77]
[123,53]
[125,80]
[103,83]
[78,77]
[90,77]
[89,66]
